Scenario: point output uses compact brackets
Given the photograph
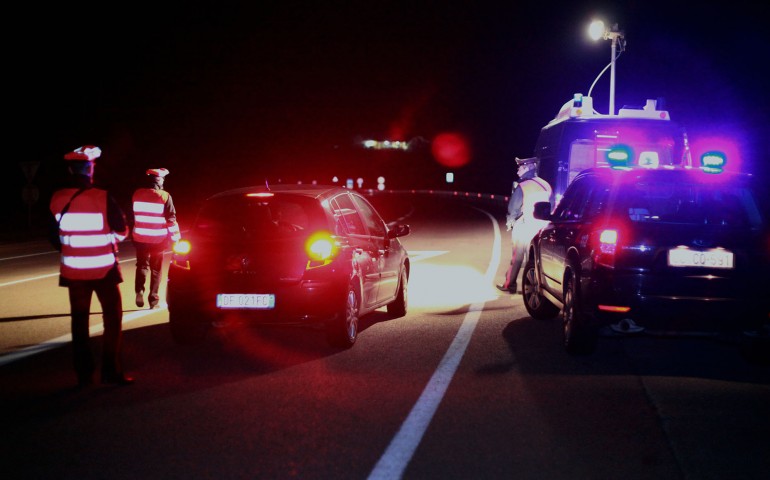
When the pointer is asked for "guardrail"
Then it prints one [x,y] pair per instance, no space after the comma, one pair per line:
[491,199]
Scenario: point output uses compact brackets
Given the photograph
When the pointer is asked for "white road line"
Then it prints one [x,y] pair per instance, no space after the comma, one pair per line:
[64,339]
[28,255]
[29,279]
[40,277]
[419,255]
[401,449]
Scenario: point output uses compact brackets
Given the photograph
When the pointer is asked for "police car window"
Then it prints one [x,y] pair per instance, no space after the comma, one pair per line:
[346,216]
[582,156]
[693,204]
[572,206]
[371,217]
[597,201]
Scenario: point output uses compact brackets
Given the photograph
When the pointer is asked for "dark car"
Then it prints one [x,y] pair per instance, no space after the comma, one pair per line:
[301,255]
[659,251]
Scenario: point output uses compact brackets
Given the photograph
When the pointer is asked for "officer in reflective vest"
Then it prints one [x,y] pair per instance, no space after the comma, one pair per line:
[529,190]
[154,224]
[88,225]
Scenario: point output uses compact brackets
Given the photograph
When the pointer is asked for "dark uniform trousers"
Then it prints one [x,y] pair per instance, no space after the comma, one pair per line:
[149,258]
[108,293]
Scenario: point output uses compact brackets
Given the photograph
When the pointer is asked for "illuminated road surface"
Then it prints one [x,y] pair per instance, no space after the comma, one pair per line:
[465,386]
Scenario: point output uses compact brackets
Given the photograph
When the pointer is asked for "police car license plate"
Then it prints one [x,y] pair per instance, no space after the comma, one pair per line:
[259,301]
[714,258]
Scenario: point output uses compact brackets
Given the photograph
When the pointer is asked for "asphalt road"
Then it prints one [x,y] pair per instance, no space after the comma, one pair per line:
[466,386]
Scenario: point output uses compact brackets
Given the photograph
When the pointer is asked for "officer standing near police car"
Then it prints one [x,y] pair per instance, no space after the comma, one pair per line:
[154,224]
[87,225]
[529,190]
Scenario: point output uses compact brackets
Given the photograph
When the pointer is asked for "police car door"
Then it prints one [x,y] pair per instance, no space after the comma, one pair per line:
[563,233]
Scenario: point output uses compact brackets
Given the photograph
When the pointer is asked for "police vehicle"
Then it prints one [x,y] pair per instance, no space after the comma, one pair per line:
[579,138]
[668,250]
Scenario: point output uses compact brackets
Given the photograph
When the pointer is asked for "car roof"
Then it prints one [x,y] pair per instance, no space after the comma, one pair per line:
[310,191]
[675,174]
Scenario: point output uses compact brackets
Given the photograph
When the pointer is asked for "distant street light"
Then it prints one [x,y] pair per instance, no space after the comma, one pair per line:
[598,31]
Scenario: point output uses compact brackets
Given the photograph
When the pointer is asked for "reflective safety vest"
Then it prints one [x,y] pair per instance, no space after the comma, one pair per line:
[534,190]
[150,224]
[88,246]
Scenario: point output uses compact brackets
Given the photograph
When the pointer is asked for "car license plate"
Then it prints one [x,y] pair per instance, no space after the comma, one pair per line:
[714,258]
[263,301]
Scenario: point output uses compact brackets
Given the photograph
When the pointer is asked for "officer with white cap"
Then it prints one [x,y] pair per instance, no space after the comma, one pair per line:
[154,225]
[529,190]
[88,225]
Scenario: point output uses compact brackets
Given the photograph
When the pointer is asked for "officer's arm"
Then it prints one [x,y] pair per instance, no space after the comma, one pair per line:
[116,219]
[516,203]
[169,212]
[53,233]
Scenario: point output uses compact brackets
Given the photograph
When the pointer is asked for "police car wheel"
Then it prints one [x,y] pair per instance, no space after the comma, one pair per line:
[539,307]
[579,338]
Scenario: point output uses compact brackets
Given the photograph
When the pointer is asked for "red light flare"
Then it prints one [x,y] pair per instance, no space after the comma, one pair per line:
[451,149]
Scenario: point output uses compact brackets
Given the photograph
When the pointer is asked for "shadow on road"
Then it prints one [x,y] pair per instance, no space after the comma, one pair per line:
[537,348]
[43,384]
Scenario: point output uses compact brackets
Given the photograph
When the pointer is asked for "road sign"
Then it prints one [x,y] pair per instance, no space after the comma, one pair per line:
[30,194]
[30,169]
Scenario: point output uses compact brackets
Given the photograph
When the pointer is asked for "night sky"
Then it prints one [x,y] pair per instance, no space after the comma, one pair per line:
[226,94]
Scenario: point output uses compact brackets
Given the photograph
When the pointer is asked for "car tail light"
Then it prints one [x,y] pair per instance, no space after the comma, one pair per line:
[608,244]
[321,248]
[182,247]
[181,251]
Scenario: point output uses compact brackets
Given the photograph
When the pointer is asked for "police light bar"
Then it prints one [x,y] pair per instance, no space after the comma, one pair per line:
[582,106]
[579,107]
[619,156]
[649,110]
[713,162]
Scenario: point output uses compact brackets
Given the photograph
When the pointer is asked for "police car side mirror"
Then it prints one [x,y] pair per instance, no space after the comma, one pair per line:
[542,211]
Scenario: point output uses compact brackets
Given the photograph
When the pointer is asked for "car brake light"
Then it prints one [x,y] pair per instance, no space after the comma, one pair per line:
[182,247]
[320,248]
[181,250]
[608,243]
[608,240]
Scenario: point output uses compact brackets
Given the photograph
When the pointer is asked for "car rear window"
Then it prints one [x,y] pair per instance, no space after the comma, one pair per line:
[257,217]
[696,204]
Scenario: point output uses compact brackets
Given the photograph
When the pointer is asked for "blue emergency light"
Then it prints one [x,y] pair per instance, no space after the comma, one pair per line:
[619,156]
[577,100]
[713,162]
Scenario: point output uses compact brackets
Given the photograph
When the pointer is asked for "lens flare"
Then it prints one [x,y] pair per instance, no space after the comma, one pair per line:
[451,150]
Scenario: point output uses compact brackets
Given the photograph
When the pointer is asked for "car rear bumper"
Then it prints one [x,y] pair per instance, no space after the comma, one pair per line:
[296,303]
[608,294]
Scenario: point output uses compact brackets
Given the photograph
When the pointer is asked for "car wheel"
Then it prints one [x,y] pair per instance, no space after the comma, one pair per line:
[342,330]
[397,308]
[579,338]
[539,307]
[186,327]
